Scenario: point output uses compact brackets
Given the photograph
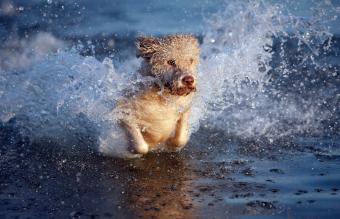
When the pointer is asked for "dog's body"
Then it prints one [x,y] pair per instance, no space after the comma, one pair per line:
[157,117]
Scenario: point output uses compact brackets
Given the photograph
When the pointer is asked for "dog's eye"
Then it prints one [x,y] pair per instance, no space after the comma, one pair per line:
[172,62]
[191,60]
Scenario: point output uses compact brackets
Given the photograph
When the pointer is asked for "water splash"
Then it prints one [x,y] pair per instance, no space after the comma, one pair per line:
[246,60]
[245,69]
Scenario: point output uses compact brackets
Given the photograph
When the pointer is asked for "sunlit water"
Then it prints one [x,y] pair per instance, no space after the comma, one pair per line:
[265,73]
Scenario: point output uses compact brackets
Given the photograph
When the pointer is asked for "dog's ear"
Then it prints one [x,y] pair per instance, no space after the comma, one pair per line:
[146,46]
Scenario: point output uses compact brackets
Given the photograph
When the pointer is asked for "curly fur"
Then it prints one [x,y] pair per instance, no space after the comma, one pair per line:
[159,120]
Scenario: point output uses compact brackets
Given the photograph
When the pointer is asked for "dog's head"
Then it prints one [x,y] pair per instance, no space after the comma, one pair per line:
[172,59]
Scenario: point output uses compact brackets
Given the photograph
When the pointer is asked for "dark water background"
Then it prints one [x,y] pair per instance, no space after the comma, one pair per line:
[267,135]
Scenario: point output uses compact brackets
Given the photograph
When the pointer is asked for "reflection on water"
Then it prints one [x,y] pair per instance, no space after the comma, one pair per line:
[50,182]
[255,179]
[160,187]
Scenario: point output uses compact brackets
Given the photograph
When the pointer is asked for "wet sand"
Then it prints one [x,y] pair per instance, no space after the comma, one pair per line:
[214,177]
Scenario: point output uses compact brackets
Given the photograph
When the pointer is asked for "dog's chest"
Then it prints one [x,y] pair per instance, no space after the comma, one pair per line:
[157,123]
[158,119]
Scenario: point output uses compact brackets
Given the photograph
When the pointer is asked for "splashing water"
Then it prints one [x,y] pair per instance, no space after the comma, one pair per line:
[66,98]
[240,48]
[243,77]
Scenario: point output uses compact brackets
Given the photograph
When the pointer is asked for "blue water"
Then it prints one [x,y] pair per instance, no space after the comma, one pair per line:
[106,17]
[269,81]
[278,62]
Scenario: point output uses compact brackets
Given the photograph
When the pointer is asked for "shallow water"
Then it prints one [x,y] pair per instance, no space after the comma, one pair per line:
[265,136]
[231,178]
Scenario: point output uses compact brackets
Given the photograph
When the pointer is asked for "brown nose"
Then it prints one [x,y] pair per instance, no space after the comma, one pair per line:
[188,80]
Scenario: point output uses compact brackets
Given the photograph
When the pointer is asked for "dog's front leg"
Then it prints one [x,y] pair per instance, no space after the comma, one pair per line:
[181,135]
[136,139]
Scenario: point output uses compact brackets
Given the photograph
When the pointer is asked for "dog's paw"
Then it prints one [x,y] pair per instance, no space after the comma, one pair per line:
[141,148]
[174,145]
[172,148]
[132,156]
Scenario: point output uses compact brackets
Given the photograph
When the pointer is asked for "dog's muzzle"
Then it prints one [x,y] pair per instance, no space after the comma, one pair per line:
[185,85]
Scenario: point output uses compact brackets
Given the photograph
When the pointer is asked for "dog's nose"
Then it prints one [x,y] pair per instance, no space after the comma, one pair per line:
[188,80]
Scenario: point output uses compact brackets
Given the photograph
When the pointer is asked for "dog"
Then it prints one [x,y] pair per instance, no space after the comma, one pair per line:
[157,117]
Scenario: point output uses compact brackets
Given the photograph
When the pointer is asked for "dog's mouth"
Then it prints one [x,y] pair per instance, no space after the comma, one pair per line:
[180,91]
[184,91]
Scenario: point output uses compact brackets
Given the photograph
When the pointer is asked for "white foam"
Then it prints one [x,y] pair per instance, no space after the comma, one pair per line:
[234,96]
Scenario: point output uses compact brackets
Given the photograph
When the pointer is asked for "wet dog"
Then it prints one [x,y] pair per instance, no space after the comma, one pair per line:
[157,117]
